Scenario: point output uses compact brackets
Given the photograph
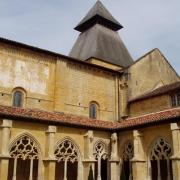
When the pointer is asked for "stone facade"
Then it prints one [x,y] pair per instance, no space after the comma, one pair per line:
[60,145]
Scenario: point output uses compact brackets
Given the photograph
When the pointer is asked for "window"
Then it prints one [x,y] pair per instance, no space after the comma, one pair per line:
[161,165]
[18,98]
[128,152]
[93,110]
[101,156]
[67,161]
[175,100]
[24,160]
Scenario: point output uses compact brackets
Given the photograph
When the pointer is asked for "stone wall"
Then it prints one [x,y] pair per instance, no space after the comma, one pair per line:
[150,105]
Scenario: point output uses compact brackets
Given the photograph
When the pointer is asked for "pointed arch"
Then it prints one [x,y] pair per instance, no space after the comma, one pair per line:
[128,150]
[160,149]
[127,155]
[67,138]
[25,154]
[26,134]
[101,153]
[159,159]
[68,159]
[100,149]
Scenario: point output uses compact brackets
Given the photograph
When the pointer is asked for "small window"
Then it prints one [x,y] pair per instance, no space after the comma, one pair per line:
[18,99]
[93,111]
[175,100]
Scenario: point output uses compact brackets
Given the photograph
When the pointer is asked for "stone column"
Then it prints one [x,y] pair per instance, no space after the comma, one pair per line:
[50,162]
[175,129]
[88,154]
[138,161]
[4,156]
[123,99]
[114,157]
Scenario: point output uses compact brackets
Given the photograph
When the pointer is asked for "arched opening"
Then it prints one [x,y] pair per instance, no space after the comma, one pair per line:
[161,165]
[127,155]
[24,161]
[101,155]
[67,164]
[93,110]
[18,97]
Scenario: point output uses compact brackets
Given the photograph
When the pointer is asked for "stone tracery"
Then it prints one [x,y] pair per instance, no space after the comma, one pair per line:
[160,160]
[66,151]
[24,148]
[24,152]
[128,151]
[161,150]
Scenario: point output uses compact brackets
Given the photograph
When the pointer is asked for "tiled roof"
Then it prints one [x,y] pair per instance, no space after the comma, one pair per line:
[33,115]
[54,117]
[159,91]
[151,119]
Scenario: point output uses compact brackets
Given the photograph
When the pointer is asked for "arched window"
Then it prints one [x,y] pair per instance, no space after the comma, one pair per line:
[127,155]
[18,98]
[101,155]
[67,164]
[24,159]
[93,110]
[161,165]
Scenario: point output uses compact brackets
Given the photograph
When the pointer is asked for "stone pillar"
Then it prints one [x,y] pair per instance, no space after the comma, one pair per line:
[50,162]
[175,129]
[138,161]
[114,157]
[123,99]
[4,156]
[88,154]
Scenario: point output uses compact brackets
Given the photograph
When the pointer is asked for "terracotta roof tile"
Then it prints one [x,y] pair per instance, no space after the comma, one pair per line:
[62,119]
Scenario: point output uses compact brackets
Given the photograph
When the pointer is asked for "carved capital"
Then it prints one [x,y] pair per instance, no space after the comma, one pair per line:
[6,123]
[114,137]
[51,129]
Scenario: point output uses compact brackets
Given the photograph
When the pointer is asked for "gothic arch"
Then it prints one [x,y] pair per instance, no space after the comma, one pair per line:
[101,155]
[127,153]
[100,149]
[25,161]
[153,143]
[68,159]
[23,134]
[73,142]
[159,162]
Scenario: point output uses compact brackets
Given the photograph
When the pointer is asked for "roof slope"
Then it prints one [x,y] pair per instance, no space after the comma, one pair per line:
[159,91]
[101,43]
[98,14]
[99,38]
[61,119]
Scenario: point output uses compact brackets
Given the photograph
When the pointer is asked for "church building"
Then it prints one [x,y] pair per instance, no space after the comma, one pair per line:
[96,114]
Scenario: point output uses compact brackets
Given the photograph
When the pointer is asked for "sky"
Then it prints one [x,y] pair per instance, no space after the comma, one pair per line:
[49,24]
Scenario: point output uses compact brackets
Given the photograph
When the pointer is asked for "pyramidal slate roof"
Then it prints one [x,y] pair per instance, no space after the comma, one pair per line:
[98,14]
[99,38]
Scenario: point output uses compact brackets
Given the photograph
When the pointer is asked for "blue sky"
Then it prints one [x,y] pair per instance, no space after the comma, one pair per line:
[49,24]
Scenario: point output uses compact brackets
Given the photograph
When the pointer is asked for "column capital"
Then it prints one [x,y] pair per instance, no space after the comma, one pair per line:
[6,123]
[175,126]
[51,129]
[137,133]
[114,137]
[90,135]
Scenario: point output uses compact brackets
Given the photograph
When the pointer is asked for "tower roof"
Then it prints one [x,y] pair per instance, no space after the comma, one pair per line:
[98,14]
[99,38]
